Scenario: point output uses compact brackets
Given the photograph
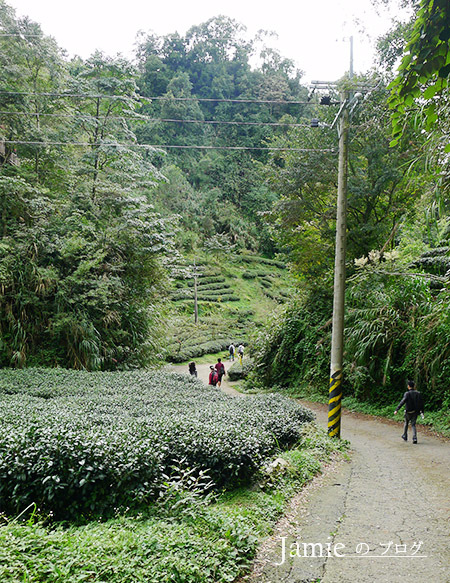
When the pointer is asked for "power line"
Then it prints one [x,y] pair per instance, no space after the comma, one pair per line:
[165,146]
[209,99]
[157,119]
[161,98]
[21,35]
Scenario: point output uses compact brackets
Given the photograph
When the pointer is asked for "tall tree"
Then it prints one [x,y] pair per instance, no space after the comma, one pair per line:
[79,240]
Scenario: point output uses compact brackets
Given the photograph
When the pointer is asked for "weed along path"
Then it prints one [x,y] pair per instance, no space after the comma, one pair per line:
[383,517]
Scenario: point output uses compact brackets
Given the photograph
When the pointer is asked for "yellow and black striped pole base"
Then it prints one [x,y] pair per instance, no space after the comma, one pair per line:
[334,404]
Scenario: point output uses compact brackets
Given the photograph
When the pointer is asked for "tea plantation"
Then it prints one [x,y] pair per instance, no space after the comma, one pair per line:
[78,443]
[235,296]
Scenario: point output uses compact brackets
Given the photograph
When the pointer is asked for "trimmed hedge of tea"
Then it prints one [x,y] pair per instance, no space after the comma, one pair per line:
[76,442]
[196,350]
[240,371]
[264,260]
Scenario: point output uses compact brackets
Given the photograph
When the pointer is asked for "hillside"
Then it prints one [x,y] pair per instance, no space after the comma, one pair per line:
[235,294]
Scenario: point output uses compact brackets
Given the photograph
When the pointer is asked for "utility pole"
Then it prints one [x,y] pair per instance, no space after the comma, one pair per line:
[195,274]
[337,335]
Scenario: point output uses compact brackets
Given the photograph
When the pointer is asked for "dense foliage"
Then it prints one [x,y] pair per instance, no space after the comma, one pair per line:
[76,443]
[80,242]
[86,228]
[396,328]
[83,242]
[398,253]
[205,99]
[185,536]
[425,68]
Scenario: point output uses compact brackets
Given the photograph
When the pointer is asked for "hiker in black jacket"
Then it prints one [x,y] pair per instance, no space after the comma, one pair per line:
[413,402]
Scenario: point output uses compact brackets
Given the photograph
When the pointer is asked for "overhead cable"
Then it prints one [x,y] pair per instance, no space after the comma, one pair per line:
[164,146]
[155,119]
[161,98]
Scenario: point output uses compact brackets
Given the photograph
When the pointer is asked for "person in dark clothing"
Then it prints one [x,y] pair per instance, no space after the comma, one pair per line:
[220,368]
[413,402]
[192,369]
[213,376]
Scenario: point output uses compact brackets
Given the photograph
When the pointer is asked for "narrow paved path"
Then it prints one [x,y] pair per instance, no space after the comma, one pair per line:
[382,517]
[203,375]
[386,512]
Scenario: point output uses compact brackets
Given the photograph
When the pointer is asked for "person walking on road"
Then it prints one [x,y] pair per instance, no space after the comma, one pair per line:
[220,368]
[213,376]
[413,402]
[241,352]
[232,350]
[192,369]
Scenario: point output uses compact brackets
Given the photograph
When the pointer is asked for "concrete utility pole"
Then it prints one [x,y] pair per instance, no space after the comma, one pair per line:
[195,275]
[348,102]
[337,335]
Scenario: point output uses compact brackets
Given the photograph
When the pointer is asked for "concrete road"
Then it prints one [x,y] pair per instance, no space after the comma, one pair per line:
[383,517]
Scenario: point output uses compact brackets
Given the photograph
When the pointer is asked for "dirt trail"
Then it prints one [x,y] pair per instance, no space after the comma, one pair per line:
[203,375]
[382,517]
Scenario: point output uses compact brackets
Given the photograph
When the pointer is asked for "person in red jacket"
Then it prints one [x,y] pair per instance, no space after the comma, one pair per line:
[220,368]
[213,376]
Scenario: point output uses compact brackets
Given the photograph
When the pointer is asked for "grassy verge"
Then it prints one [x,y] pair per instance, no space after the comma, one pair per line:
[184,537]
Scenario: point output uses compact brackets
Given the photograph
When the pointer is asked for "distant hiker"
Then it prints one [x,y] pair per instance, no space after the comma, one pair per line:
[232,350]
[192,369]
[241,352]
[220,368]
[413,402]
[213,376]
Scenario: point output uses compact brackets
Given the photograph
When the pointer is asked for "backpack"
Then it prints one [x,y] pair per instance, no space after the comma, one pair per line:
[214,378]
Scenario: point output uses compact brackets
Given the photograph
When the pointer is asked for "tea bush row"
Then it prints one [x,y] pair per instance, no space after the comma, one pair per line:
[255,274]
[265,260]
[196,350]
[240,371]
[211,299]
[100,440]
[201,281]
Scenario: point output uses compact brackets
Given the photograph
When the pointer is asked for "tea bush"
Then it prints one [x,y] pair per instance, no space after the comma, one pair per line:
[76,442]
[240,371]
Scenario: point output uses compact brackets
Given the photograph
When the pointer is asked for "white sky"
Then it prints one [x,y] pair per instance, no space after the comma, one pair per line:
[314,33]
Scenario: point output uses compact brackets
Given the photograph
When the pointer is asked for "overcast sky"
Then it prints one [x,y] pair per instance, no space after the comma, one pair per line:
[314,33]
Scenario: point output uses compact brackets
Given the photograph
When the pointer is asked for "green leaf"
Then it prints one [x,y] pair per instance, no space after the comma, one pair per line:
[394,142]
[445,35]
[432,90]
[444,71]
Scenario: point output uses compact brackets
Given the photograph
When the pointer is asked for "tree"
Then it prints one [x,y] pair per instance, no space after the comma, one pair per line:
[425,67]
[80,243]
[380,189]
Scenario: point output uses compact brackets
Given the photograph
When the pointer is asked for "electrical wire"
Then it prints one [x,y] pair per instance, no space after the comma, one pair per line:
[157,119]
[21,35]
[165,146]
[161,98]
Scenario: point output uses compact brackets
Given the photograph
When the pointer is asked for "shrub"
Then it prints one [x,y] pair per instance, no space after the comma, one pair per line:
[95,441]
[240,371]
